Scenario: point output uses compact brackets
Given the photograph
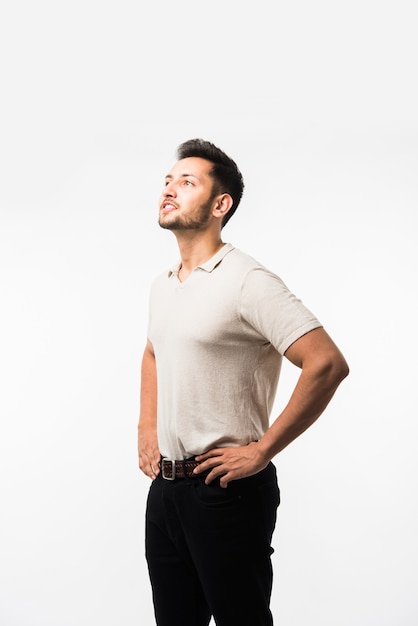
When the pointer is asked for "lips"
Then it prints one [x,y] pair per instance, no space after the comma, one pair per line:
[168,207]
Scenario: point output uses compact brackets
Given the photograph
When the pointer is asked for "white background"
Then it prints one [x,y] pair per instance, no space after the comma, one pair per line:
[317,102]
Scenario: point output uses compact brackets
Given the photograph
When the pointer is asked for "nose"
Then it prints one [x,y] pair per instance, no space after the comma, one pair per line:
[169,190]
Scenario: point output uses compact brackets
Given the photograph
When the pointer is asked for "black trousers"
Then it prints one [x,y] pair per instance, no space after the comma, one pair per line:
[209,550]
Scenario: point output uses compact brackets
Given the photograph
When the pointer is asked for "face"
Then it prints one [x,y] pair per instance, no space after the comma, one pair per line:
[187,199]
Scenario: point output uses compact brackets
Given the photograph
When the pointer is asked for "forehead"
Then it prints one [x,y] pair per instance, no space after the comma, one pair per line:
[192,166]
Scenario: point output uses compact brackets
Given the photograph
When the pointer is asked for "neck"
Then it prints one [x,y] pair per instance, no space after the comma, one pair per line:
[197,248]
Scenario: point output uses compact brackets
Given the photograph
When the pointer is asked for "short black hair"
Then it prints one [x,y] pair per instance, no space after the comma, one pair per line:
[225,172]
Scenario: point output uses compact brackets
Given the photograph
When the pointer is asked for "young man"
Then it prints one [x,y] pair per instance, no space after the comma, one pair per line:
[219,325]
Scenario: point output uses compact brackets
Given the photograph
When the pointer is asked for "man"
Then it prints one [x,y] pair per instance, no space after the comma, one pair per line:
[219,325]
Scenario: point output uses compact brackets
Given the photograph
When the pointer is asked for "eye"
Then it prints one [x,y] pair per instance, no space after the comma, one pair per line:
[188,183]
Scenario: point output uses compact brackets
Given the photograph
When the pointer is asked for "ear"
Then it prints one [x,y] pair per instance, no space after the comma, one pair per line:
[223,203]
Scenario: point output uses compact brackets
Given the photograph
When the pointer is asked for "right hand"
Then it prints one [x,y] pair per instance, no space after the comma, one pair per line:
[148,453]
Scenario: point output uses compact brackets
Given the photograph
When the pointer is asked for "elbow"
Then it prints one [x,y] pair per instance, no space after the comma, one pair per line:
[336,369]
[330,369]
[343,371]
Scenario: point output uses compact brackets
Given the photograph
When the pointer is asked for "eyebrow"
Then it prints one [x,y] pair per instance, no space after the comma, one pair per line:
[185,175]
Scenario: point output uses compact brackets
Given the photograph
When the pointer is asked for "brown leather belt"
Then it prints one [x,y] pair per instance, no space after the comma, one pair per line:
[170,469]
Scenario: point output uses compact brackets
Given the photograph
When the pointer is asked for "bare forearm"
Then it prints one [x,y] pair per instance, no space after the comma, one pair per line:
[148,398]
[148,451]
[323,367]
[313,392]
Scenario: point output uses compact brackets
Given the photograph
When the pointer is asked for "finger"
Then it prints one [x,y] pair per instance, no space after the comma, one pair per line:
[148,466]
[155,470]
[147,471]
[217,472]
[210,454]
[224,481]
[205,466]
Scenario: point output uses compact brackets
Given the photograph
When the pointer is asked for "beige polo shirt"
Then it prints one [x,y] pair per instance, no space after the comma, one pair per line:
[218,339]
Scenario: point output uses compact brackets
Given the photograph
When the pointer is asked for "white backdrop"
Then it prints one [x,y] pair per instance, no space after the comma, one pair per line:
[317,102]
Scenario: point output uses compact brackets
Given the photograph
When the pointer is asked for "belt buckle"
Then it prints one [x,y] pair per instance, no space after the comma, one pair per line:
[173,469]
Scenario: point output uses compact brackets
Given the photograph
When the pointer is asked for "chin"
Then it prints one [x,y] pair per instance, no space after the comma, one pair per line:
[167,225]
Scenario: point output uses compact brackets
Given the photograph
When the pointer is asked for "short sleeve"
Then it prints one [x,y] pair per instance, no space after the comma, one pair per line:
[273,310]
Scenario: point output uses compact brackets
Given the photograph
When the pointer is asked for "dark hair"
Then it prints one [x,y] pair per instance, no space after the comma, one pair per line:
[225,172]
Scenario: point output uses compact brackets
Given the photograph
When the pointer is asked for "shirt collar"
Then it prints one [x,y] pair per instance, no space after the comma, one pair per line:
[209,265]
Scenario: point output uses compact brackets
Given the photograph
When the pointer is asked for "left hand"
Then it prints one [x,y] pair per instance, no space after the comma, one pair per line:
[231,463]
